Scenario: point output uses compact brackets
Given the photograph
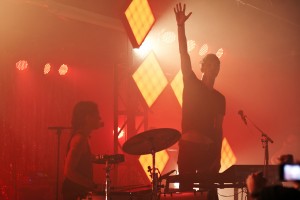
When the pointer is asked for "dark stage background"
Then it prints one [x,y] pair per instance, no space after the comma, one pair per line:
[259,74]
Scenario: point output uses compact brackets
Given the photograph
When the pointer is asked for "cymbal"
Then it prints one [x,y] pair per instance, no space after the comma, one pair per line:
[151,141]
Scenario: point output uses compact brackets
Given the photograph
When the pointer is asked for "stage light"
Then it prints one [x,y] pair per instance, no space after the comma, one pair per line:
[203,50]
[191,45]
[168,37]
[63,69]
[161,157]
[47,68]
[150,79]
[177,86]
[121,134]
[144,49]
[22,65]
[138,20]
[227,156]
[219,53]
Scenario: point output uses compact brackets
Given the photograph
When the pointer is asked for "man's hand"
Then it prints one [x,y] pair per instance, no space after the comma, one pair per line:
[180,14]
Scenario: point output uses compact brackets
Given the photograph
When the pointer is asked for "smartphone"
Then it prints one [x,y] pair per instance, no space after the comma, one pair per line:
[289,172]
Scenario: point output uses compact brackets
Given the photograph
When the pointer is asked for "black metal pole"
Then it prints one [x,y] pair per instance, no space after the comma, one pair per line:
[58,132]
[57,165]
[265,140]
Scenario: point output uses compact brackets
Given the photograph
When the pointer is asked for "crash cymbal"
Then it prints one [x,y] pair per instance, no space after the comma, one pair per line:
[151,141]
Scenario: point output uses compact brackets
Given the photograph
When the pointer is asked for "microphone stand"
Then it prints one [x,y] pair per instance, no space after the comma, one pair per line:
[58,132]
[265,139]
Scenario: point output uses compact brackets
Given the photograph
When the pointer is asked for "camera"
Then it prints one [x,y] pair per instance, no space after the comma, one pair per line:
[289,172]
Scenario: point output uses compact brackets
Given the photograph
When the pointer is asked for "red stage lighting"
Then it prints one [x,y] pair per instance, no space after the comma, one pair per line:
[203,50]
[47,68]
[22,65]
[220,53]
[63,69]
[138,20]
[191,45]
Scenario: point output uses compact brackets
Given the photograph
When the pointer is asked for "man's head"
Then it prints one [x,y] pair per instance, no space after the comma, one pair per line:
[210,64]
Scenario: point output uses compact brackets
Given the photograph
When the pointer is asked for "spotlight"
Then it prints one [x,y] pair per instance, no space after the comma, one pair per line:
[47,68]
[203,50]
[219,53]
[145,48]
[191,45]
[22,65]
[63,69]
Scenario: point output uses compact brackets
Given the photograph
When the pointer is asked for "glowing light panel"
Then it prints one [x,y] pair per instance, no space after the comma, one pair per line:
[177,86]
[203,50]
[150,79]
[191,45]
[140,19]
[161,159]
[227,156]
[47,68]
[63,69]
[219,53]
[22,65]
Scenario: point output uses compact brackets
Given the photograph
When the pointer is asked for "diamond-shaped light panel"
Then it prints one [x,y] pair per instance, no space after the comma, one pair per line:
[140,19]
[227,156]
[161,159]
[150,79]
[177,86]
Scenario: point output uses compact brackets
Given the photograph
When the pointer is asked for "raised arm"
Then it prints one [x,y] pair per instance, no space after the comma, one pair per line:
[181,17]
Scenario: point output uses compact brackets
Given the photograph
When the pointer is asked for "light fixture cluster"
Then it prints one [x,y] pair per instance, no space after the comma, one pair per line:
[22,65]
[62,70]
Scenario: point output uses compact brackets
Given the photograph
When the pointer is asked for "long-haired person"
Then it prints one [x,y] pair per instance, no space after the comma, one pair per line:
[78,168]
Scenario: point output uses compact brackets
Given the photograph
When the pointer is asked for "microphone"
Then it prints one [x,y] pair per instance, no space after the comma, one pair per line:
[166,175]
[243,117]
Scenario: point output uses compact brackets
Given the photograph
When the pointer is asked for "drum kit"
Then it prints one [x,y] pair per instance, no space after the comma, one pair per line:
[148,142]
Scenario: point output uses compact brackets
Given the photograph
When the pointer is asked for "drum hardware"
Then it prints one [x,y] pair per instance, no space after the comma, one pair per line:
[108,160]
[111,159]
[150,142]
[58,132]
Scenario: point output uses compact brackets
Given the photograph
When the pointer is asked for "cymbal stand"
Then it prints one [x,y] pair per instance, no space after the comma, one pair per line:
[107,180]
[265,139]
[58,130]
[154,178]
